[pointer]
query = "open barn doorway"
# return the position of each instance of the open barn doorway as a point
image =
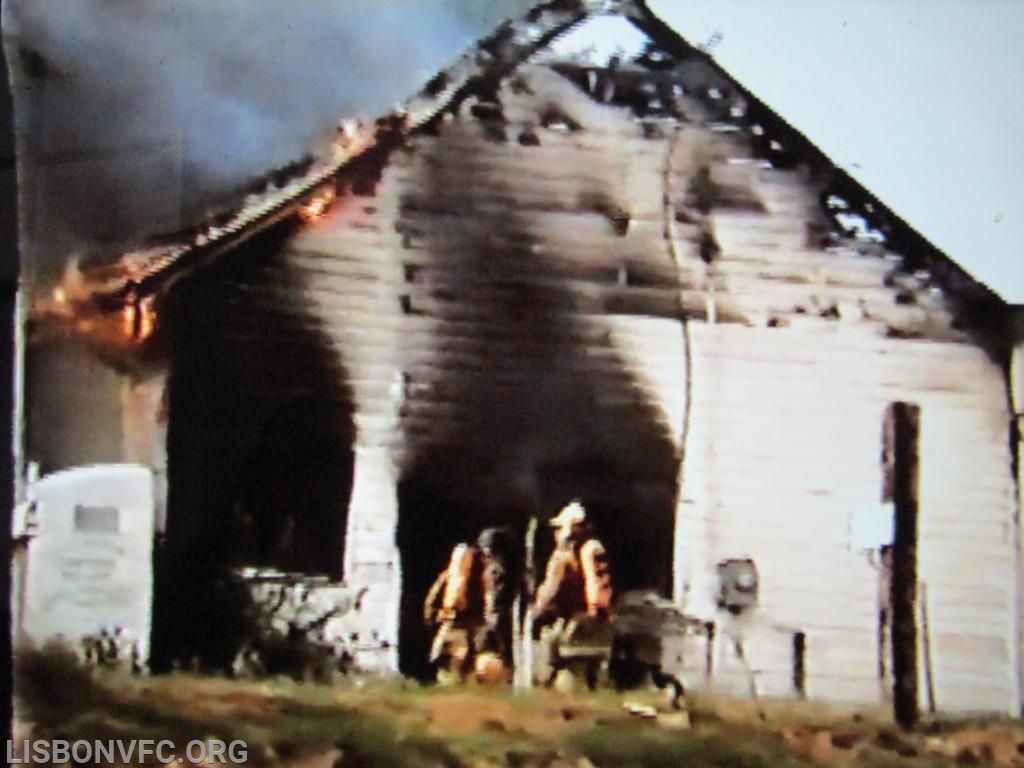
(259, 447)
(433, 518)
(633, 516)
(293, 492)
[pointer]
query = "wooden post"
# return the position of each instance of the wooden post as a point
(904, 420)
(1016, 384)
(10, 367)
(524, 637)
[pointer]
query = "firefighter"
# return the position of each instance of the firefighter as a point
(470, 603)
(574, 600)
(455, 606)
(501, 575)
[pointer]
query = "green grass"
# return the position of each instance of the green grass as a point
(639, 744)
(400, 724)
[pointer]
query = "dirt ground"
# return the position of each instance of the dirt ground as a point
(362, 723)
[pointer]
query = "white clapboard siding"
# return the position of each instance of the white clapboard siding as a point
(785, 441)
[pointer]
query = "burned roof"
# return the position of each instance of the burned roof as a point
(670, 87)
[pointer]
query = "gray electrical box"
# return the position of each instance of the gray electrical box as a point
(738, 584)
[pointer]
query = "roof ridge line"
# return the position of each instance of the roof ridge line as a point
(908, 241)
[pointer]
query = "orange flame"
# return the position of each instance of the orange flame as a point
(138, 319)
(318, 204)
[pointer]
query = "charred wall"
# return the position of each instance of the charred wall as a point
(479, 288)
(259, 445)
(520, 400)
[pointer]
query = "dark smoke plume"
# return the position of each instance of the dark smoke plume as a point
(135, 116)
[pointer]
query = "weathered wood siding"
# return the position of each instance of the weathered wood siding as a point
(785, 446)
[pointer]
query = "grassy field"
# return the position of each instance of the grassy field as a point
(397, 724)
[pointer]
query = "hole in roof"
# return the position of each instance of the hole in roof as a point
(599, 40)
(859, 227)
(757, 130)
(654, 58)
(529, 35)
(714, 93)
(553, 117)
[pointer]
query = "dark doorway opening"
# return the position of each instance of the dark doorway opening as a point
(259, 447)
(633, 517)
(432, 519)
(294, 491)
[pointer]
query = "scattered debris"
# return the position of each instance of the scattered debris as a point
(640, 710)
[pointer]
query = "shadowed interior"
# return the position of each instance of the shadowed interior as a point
(259, 447)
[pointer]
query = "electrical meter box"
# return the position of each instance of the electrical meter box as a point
(738, 584)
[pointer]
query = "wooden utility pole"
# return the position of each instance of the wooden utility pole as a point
(904, 420)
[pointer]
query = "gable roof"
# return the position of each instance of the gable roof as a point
(849, 196)
(844, 201)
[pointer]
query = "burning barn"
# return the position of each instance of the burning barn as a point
(630, 283)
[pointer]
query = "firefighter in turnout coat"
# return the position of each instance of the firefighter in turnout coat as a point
(455, 606)
(575, 597)
(470, 604)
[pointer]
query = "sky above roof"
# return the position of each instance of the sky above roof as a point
(917, 99)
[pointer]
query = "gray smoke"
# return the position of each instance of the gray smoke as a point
(134, 115)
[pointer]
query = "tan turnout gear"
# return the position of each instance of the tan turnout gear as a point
(470, 606)
(455, 605)
(577, 579)
(457, 592)
(574, 601)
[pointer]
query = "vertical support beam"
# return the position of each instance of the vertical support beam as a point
(904, 419)
(10, 355)
(145, 435)
(1016, 391)
(371, 555)
(371, 559)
